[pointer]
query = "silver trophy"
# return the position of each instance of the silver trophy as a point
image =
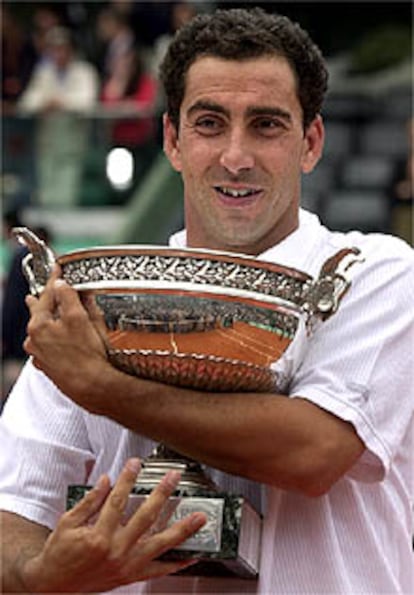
(206, 320)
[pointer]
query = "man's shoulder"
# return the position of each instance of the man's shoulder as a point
(374, 247)
(384, 277)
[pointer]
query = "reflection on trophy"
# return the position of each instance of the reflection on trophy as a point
(206, 320)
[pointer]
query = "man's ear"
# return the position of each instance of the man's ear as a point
(313, 144)
(171, 143)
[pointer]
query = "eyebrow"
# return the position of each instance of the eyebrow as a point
(211, 106)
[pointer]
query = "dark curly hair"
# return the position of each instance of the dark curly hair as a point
(240, 34)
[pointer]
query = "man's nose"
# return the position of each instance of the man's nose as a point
(236, 154)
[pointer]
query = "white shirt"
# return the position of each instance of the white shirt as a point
(76, 87)
(355, 539)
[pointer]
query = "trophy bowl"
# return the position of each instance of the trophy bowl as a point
(189, 317)
(200, 319)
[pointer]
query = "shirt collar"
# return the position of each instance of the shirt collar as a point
(296, 250)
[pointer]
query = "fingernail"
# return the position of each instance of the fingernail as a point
(134, 465)
(60, 283)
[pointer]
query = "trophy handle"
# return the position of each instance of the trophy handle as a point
(38, 264)
(325, 294)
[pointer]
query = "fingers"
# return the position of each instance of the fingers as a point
(44, 306)
(150, 510)
(57, 293)
(42, 313)
(58, 300)
(136, 557)
(112, 512)
(171, 537)
(46, 299)
(90, 504)
(111, 516)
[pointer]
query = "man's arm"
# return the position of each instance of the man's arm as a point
(22, 540)
(288, 443)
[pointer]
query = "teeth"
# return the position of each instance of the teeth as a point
(236, 193)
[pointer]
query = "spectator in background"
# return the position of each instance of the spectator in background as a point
(130, 95)
(45, 18)
(63, 87)
(180, 14)
(118, 40)
(18, 59)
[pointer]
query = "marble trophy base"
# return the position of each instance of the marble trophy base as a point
(229, 543)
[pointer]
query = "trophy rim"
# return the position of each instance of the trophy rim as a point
(185, 252)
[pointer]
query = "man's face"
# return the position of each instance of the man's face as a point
(241, 149)
(61, 55)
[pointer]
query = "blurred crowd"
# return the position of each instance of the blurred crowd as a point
(116, 45)
(65, 63)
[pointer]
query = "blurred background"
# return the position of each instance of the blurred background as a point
(82, 159)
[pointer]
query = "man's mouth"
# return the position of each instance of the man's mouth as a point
(236, 192)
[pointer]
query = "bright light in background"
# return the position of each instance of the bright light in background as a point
(120, 168)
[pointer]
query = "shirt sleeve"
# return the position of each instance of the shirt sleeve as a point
(45, 448)
(359, 364)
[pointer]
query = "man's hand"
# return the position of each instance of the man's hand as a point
(79, 557)
(65, 340)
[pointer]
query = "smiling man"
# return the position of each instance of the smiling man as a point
(331, 459)
(241, 147)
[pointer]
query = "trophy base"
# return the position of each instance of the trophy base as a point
(227, 545)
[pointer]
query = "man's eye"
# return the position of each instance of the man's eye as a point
(268, 125)
(209, 122)
(208, 125)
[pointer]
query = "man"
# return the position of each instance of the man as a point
(332, 459)
(62, 89)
